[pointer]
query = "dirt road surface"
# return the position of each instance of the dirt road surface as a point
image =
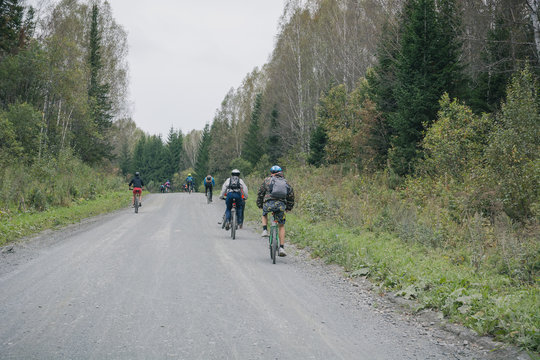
(169, 283)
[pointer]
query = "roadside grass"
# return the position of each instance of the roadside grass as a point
(482, 276)
(15, 225)
(486, 302)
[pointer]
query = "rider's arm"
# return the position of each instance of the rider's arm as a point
(244, 188)
(290, 199)
(260, 195)
(224, 188)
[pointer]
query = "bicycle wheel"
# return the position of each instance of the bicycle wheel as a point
(137, 204)
(270, 245)
(275, 242)
(233, 223)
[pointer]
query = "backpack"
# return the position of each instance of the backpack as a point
(278, 187)
(234, 183)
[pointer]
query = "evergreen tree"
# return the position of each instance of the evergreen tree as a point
(98, 96)
(491, 84)
(125, 158)
(425, 68)
(15, 28)
(252, 150)
(203, 156)
(274, 145)
(317, 144)
(174, 150)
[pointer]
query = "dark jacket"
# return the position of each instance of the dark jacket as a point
(264, 193)
(136, 182)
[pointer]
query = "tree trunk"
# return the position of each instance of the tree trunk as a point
(533, 7)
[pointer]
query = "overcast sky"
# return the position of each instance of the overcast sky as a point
(185, 55)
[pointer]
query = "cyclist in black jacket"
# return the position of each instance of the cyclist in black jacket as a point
(138, 185)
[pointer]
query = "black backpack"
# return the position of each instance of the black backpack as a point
(234, 183)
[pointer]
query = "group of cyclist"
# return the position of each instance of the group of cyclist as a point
(275, 196)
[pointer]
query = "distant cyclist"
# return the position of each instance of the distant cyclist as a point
(234, 188)
(209, 184)
(138, 186)
(275, 196)
(167, 186)
(189, 182)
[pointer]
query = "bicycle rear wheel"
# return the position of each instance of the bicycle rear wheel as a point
(274, 244)
(137, 204)
(233, 223)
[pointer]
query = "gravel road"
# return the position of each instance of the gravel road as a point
(169, 283)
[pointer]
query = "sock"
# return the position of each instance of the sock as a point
(265, 227)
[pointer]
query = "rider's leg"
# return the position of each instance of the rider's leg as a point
(228, 202)
(240, 207)
(281, 228)
(265, 220)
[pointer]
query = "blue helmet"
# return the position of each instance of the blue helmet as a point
(275, 169)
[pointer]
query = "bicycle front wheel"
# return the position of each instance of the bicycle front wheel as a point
(233, 224)
(274, 245)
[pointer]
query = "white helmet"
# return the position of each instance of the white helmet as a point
(235, 172)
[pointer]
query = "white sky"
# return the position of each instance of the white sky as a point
(184, 56)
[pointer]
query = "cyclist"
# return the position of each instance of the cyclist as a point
(138, 185)
(162, 188)
(189, 182)
(167, 186)
(234, 188)
(209, 184)
(275, 196)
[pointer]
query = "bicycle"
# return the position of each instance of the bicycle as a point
(234, 220)
(137, 200)
(273, 239)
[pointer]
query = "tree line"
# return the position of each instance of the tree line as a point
(362, 83)
(381, 85)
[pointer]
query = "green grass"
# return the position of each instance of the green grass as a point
(489, 303)
(15, 225)
(365, 230)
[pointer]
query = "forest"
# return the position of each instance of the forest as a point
(419, 118)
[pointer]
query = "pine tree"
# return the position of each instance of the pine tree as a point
(98, 97)
(15, 30)
(203, 156)
(317, 144)
(491, 84)
(274, 145)
(174, 149)
(252, 150)
(125, 158)
(425, 68)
